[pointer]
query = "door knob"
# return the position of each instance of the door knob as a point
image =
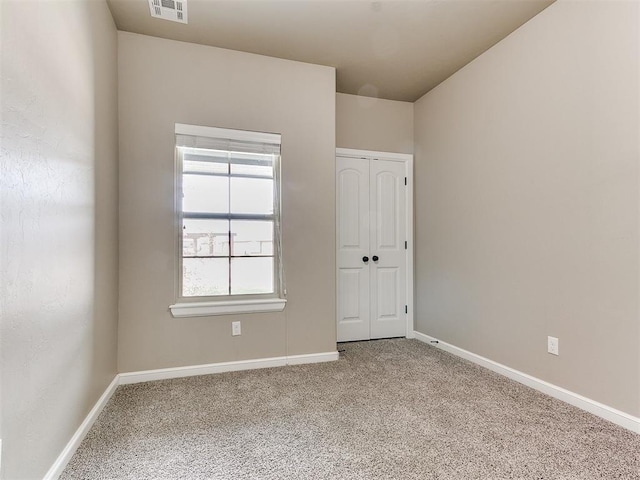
(375, 258)
(365, 259)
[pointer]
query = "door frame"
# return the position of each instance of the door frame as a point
(407, 159)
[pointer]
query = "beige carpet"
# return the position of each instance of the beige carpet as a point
(388, 409)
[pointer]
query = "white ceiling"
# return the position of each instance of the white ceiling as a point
(397, 50)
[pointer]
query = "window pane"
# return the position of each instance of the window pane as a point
(205, 276)
(259, 170)
(251, 275)
(204, 238)
(205, 155)
(251, 195)
(245, 158)
(190, 166)
(252, 237)
(204, 193)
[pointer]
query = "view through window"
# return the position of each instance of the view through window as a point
(229, 217)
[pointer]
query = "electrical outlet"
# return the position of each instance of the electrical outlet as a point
(235, 329)
(553, 345)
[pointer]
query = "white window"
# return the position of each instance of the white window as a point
(228, 219)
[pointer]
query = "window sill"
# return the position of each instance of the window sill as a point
(228, 307)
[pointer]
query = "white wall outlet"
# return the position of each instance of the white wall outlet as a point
(553, 345)
(236, 329)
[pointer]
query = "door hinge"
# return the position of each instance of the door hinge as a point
(406, 309)
(405, 244)
(405, 180)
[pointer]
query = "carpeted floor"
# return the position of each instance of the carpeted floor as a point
(388, 409)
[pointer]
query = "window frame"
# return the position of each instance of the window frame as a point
(189, 306)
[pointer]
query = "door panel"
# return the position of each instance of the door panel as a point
(386, 193)
(350, 285)
(387, 293)
(388, 227)
(353, 283)
(353, 304)
(350, 216)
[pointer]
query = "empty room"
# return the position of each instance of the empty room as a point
(320, 239)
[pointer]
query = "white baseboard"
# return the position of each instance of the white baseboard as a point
(167, 373)
(208, 369)
(599, 409)
(71, 447)
(312, 358)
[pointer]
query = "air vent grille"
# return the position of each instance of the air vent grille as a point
(172, 10)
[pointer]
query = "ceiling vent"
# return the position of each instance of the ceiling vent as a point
(174, 10)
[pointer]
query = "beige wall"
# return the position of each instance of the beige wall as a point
(527, 186)
(163, 82)
(58, 240)
(367, 123)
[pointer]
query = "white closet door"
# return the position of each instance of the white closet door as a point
(352, 187)
(387, 249)
(371, 250)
